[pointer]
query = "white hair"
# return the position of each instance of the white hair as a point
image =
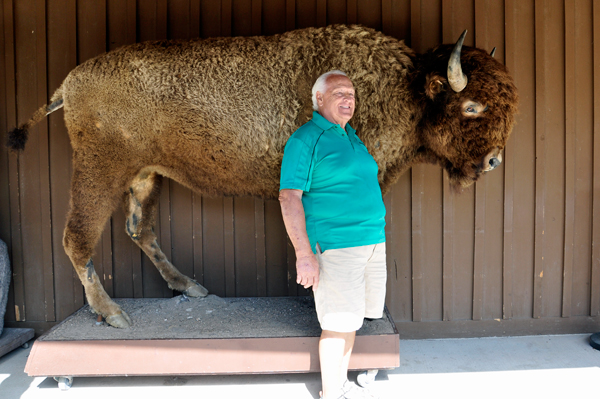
(321, 85)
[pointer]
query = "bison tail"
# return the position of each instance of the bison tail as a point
(19, 135)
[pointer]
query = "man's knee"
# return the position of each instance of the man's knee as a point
(326, 334)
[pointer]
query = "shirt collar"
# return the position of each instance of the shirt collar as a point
(324, 124)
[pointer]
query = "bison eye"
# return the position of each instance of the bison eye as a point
(473, 109)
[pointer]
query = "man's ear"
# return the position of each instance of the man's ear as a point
(319, 96)
(434, 84)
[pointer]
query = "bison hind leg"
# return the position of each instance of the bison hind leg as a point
(92, 202)
(140, 205)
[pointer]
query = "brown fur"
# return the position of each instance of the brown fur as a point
(215, 115)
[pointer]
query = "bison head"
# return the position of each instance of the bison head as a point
(468, 103)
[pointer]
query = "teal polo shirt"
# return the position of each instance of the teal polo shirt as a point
(341, 195)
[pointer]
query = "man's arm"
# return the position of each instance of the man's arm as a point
(307, 266)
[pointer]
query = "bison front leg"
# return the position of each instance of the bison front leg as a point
(92, 202)
(140, 208)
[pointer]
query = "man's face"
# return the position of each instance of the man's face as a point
(337, 103)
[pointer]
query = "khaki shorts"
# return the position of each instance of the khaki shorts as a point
(351, 286)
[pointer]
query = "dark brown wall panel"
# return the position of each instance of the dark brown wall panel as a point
(518, 246)
(581, 111)
(595, 275)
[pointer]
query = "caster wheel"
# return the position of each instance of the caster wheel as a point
(366, 377)
(25, 345)
(64, 383)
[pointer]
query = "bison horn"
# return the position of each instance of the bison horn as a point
(493, 53)
(456, 77)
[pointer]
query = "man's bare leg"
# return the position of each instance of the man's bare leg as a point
(335, 349)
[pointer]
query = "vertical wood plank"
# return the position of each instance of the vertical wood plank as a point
(290, 14)
(417, 187)
(401, 18)
(479, 255)
(321, 12)
(5, 222)
(45, 212)
(4, 128)
(62, 58)
(182, 255)
(16, 242)
(352, 11)
(493, 35)
(508, 258)
(213, 256)
(274, 17)
(457, 16)
(30, 61)
(448, 204)
(337, 12)
(256, 17)
(415, 26)
(540, 152)
(292, 287)
(198, 239)
(153, 285)
(583, 159)
(229, 246)
(210, 13)
(524, 140)
(195, 18)
(386, 17)
(241, 18)
(370, 13)
(152, 20)
(487, 276)
(448, 250)
(398, 249)
(245, 246)
(178, 19)
(595, 272)
(552, 134)
(162, 13)
(570, 45)
(226, 19)
(306, 12)
(261, 259)
(276, 247)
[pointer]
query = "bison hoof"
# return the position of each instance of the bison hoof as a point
(196, 291)
(119, 320)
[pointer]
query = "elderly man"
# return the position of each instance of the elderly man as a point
(334, 214)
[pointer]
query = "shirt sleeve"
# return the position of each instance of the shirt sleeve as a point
(296, 166)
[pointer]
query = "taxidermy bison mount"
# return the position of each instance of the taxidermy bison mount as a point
(215, 114)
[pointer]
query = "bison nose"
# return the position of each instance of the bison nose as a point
(494, 162)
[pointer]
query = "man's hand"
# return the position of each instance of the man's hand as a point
(307, 270)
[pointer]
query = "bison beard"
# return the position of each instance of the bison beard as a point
(215, 115)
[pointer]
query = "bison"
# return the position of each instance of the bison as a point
(215, 114)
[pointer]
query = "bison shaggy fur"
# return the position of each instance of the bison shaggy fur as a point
(215, 115)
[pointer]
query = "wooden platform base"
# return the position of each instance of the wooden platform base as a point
(12, 338)
(294, 351)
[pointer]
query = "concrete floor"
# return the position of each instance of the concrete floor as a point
(516, 367)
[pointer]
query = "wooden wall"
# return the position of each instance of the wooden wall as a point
(516, 254)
